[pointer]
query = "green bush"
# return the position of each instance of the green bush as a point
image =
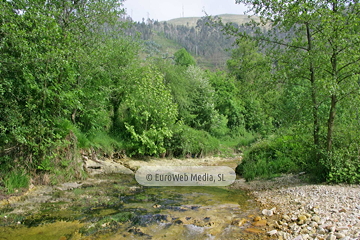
(344, 165)
(271, 157)
(187, 141)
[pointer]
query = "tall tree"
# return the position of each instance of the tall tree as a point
(42, 45)
(314, 44)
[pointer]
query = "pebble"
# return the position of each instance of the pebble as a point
(272, 232)
(257, 218)
(339, 235)
(342, 228)
(314, 211)
(331, 237)
(316, 218)
(321, 231)
(268, 213)
(286, 217)
(260, 223)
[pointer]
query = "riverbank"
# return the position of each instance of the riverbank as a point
(300, 210)
(288, 206)
(308, 211)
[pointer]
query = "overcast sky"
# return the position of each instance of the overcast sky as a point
(164, 10)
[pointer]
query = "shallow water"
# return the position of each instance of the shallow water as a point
(119, 208)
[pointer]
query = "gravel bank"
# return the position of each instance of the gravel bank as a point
(308, 211)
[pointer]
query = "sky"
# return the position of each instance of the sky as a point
(163, 10)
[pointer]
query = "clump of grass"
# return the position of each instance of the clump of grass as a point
(16, 179)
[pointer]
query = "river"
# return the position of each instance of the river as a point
(115, 206)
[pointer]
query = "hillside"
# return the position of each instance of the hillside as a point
(192, 21)
(206, 42)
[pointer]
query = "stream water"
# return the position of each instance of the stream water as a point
(116, 207)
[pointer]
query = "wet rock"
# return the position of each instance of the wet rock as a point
(68, 186)
(194, 229)
(257, 218)
(253, 230)
(260, 223)
(239, 222)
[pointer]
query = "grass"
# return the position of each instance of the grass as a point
(16, 179)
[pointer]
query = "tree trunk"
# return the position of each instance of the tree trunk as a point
(73, 116)
(331, 121)
(316, 125)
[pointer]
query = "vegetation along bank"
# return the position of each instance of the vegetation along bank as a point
(77, 77)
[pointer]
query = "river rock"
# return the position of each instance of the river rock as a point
(268, 213)
(68, 186)
(260, 223)
(342, 228)
(313, 224)
(339, 235)
(321, 231)
(238, 222)
(272, 232)
(257, 218)
(316, 218)
(253, 230)
(286, 217)
(331, 237)
(105, 167)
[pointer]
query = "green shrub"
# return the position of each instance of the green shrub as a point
(343, 165)
(188, 141)
(271, 157)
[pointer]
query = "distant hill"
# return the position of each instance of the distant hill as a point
(206, 42)
(191, 21)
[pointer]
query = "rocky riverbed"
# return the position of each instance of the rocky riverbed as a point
(307, 211)
(288, 207)
(293, 208)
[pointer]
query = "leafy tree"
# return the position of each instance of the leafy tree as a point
(42, 45)
(179, 84)
(183, 58)
(149, 113)
(227, 101)
(314, 44)
(255, 88)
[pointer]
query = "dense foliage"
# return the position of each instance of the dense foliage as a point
(72, 79)
(314, 46)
